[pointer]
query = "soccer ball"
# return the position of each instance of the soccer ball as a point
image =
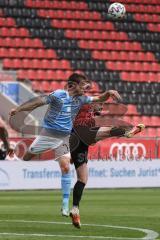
(116, 10)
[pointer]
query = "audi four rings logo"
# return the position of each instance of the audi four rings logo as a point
(127, 150)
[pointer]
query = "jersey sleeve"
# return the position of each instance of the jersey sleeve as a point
(53, 97)
(86, 99)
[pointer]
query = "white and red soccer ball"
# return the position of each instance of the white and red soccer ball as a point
(116, 10)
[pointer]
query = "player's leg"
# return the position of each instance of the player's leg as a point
(46, 142)
(107, 132)
(28, 156)
(79, 154)
(64, 163)
(135, 130)
(63, 156)
(82, 177)
(39, 145)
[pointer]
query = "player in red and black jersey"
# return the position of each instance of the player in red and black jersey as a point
(84, 134)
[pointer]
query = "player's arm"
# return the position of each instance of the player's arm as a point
(97, 108)
(106, 95)
(4, 138)
(29, 105)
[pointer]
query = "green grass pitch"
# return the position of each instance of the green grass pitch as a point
(36, 215)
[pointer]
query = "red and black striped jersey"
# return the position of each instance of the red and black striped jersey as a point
(85, 117)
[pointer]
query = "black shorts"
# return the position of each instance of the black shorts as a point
(80, 140)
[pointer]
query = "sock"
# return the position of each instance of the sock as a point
(66, 189)
(77, 192)
(115, 131)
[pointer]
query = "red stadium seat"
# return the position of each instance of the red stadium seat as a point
(50, 53)
(31, 74)
(132, 110)
(146, 120)
(151, 132)
(152, 77)
(4, 31)
(36, 86)
(45, 64)
(158, 132)
(20, 74)
(36, 63)
(155, 67)
(10, 22)
(154, 121)
(125, 76)
(149, 56)
(122, 55)
(115, 55)
(55, 85)
(3, 52)
(12, 52)
(31, 52)
(7, 63)
(17, 63)
(49, 75)
(136, 120)
(46, 86)
(41, 75)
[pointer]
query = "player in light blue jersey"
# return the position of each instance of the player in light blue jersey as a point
(63, 106)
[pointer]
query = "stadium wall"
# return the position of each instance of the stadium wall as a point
(102, 174)
(131, 167)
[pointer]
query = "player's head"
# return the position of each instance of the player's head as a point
(78, 83)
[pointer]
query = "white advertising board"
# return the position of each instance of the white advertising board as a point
(102, 174)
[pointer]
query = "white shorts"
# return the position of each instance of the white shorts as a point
(49, 141)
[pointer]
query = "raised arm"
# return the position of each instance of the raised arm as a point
(29, 105)
(106, 95)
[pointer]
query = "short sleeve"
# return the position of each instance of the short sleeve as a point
(52, 97)
(86, 99)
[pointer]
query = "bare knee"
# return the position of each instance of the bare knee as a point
(83, 179)
(64, 163)
(65, 168)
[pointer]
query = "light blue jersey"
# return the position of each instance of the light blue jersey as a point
(62, 110)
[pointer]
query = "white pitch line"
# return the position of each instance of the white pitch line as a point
(66, 236)
(150, 234)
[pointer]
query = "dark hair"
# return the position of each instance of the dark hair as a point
(77, 78)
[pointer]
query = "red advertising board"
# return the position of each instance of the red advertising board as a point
(109, 149)
(125, 149)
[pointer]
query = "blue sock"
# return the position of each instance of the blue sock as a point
(66, 188)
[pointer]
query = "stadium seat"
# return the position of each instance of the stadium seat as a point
(3, 52)
(152, 132)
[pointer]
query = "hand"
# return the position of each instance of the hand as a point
(13, 112)
(115, 95)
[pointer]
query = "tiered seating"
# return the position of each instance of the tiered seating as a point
(56, 4)
(56, 37)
